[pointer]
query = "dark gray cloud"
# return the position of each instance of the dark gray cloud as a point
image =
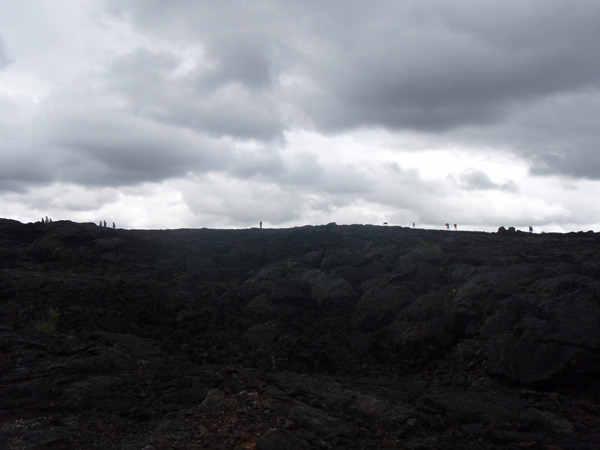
(437, 66)
(80, 139)
(476, 180)
(222, 100)
(429, 66)
(119, 151)
(239, 59)
(434, 67)
(560, 135)
(262, 162)
(556, 135)
(568, 161)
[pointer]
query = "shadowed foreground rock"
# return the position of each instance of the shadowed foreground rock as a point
(313, 337)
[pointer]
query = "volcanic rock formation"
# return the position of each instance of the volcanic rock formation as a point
(312, 337)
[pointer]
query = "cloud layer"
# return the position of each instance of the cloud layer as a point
(302, 111)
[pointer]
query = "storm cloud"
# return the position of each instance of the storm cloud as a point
(433, 67)
(476, 180)
(302, 111)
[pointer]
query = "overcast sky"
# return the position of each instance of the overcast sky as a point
(180, 113)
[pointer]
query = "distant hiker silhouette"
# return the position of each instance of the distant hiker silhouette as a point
(100, 223)
(413, 224)
(114, 226)
(530, 229)
(260, 224)
(455, 227)
(447, 226)
(105, 224)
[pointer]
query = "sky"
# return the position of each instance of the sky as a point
(220, 114)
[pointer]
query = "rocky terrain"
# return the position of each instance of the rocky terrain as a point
(312, 337)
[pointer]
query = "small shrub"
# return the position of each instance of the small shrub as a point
(48, 321)
(545, 293)
(428, 251)
(449, 300)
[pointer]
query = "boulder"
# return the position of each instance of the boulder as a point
(381, 304)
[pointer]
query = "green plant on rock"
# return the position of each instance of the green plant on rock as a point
(428, 251)
(48, 321)
(449, 300)
(546, 293)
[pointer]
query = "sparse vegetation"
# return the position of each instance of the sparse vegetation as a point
(546, 293)
(449, 300)
(427, 250)
(47, 322)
